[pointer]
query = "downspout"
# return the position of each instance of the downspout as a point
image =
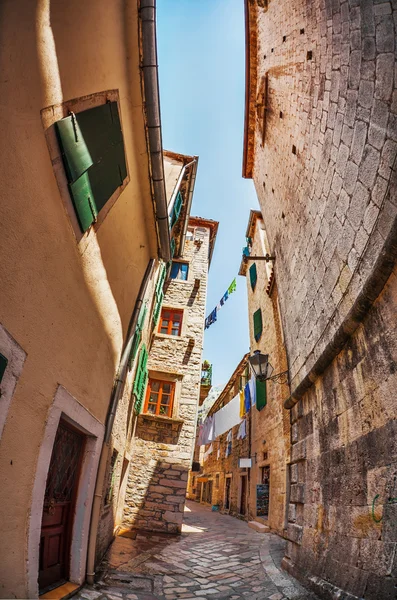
(149, 66)
(116, 395)
(189, 202)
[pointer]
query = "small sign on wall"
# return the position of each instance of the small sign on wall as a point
(245, 463)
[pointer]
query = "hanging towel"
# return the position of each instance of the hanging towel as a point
(227, 417)
(242, 405)
(252, 386)
(247, 397)
(208, 431)
(207, 453)
(232, 287)
(242, 430)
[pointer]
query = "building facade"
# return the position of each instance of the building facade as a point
(84, 222)
(165, 424)
(320, 145)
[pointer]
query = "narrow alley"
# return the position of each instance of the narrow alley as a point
(217, 556)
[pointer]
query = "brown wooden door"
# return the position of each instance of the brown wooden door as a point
(227, 492)
(60, 494)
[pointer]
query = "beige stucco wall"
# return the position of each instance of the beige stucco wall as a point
(67, 309)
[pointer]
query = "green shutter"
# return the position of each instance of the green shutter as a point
(172, 247)
(159, 294)
(257, 324)
(176, 210)
(253, 276)
(93, 154)
(3, 366)
(138, 334)
(141, 378)
(261, 398)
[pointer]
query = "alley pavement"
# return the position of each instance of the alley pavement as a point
(216, 557)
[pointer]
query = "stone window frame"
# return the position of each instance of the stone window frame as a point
(49, 116)
(175, 378)
(190, 277)
(16, 357)
(160, 393)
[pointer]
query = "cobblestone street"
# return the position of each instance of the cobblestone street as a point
(216, 556)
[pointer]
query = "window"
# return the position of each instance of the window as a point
(3, 366)
(190, 234)
(160, 397)
(111, 478)
(92, 148)
(253, 276)
(171, 321)
(257, 317)
(179, 270)
(176, 209)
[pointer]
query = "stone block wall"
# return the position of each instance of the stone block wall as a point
(330, 143)
(343, 499)
(163, 447)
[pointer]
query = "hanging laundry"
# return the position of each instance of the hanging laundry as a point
(242, 405)
(229, 444)
(247, 397)
(207, 453)
(232, 287)
(252, 385)
(208, 431)
(227, 417)
(242, 430)
(212, 317)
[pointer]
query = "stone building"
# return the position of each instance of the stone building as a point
(180, 174)
(220, 482)
(320, 144)
(270, 427)
(164, 437)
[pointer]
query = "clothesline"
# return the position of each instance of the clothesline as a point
(212, 317)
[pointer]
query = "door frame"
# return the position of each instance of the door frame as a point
(65, 406)
(240, 495)
(227, 476)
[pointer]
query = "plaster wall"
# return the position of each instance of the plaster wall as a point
(67, 304)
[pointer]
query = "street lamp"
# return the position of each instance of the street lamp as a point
(263, 369)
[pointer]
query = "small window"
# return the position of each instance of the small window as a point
(179, 270)
(160, 398)
(217, 481)
(111, 478)
(92, 150)
(257, 318)
(171, 322)
(190, 234)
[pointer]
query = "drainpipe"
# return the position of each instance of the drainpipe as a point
(150, 82)
(116, 395)
(189, 202)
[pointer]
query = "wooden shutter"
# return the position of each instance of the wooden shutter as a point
(137, 335)
(176, 210)
(257, 324)
(172, 247)
(253, 276)
(93, 154)
(141, 378)
(261, 395)
(159, 294)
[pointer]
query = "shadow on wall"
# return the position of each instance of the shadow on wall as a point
(156, 492)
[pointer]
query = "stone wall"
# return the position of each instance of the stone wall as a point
(343, 510)
(330, 142)
(163, 447)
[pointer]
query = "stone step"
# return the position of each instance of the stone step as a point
(259, 527)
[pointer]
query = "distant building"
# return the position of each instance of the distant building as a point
(320, 146)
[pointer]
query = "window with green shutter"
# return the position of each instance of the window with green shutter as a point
(253, 276)
(176, 209)
(261, 394)
(159, 294)
(257, 324)
(141, 378)
(138, 334)
(93, 155)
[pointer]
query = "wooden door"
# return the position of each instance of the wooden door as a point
(243, 497)
(227, 492)
(59, 499)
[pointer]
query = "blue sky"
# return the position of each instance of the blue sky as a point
(201, 54)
